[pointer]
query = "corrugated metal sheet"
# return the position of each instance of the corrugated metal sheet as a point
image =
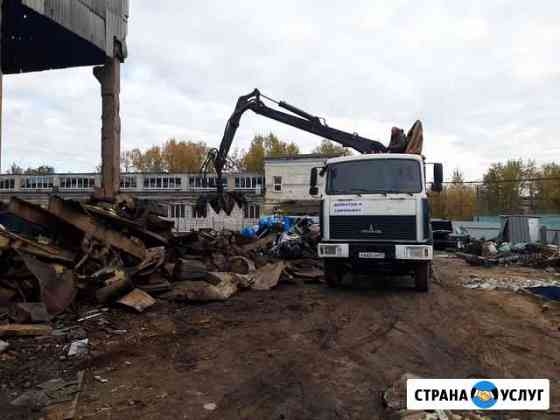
(37, 5)
(97, 21)
(553, 236)
(517, 229)
(478, 230)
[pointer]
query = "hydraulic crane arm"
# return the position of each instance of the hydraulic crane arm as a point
(296, 118)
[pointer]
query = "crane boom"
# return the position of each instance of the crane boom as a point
(295, 117)
(301, 119)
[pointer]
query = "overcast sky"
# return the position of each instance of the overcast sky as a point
(483, 76)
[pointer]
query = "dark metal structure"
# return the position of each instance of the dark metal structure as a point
(296, 118)
(37, 35)
(53, 34)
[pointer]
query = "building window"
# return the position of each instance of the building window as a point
(128, 182)
(77, 183)
(159, 182)
(278, 183)
(8, 184)
(37, 182)
(252, 211)
(177, 211)
(196, 213)
(205, 183)
(247, 182)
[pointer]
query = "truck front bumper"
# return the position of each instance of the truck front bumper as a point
(376, 251)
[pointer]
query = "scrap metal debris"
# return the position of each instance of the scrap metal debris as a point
(57, 396)
(489, 253)
(78, 348)
(267, 277)
(138, 300)
(125, 253)
(30, 312)
(510, 283)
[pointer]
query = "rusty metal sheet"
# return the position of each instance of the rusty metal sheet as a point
(69, 236)
(30, 212)
(58, 288)
(24, 330)
(136, 228)
(138, 300)
(72, 214)
(51, 252)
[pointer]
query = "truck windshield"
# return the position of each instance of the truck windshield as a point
(375, 176)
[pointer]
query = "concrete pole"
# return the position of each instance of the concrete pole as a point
(109, 76)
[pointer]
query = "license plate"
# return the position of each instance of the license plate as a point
(372, 255)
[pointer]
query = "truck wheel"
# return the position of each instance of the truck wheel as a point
(423, 276)
(333, 274)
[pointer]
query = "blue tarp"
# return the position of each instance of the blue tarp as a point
(551, 292)
(267, 222)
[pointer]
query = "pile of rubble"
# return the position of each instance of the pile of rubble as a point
(510, 283)
(489, 253)
(125, 252)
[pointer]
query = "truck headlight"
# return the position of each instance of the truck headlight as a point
(414, 252)
(417, 252)
(333, 250)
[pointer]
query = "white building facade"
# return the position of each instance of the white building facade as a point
(288, 181)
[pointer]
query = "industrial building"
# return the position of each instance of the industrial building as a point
(178, 191)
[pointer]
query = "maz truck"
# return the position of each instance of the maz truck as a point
(375, 216)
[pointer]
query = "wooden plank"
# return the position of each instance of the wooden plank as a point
(92, 227)
(24, 330)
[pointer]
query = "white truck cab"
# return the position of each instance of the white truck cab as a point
(375, 216)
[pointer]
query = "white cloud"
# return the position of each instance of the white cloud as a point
(482, 75)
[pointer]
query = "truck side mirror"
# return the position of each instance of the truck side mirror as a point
(313, 189)
(437, 186)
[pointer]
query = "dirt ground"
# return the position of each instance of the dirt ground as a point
(299, 351)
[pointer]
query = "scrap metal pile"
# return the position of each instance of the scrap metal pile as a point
(490, 253)
(125, 252)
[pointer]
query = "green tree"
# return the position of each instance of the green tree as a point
(266, 146)
(457, 201)
(503, 187)
(460, 198)
(329, 148)
(253, 161)
(548, 188)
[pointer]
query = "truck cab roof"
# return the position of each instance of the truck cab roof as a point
(375, 156)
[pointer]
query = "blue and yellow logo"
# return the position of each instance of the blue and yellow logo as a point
(484, 394)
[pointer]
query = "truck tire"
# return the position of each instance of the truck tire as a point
(423, 276)
(333, 274)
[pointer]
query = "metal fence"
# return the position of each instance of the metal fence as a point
(187, 224)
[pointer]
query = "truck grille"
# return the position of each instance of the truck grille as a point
(373, 227)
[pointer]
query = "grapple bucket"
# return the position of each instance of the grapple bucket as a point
(220, 201)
